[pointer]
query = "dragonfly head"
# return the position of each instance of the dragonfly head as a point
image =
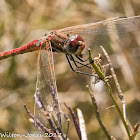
(75, 45)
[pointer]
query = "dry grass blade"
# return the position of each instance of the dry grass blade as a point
(82, 124)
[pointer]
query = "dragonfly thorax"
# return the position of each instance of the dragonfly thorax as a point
(58, 41)
(66, 44)
(75, 45)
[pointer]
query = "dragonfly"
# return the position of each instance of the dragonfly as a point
(73, 42)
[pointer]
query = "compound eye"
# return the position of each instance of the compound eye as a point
(73, 43)
(79, 38)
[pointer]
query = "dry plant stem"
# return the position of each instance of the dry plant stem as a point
(75, 120)
(120, 93)
(98, 115)
(54, 125)
(118, 109)
(109, 90)
(68, 120)
(39, 124)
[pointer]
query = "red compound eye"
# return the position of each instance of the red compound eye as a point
(73, 43)
(79, 38)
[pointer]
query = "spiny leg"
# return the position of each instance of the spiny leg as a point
(78, 71)
(81, 59)
(75, 62)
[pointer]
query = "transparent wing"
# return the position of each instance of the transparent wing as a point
(105, 32)
(46, 96)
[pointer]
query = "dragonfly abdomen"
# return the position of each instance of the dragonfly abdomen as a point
(27, 48)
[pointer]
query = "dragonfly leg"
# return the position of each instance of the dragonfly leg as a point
(78, 71)
(75, 63)
(83, 65)
(81, 59)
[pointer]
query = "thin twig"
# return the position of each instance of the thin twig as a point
(68, 120)
(39, 124)
(109, 91)
(98, 116)
(75, 120)
(120, 93)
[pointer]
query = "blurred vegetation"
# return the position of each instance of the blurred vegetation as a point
(22, 21)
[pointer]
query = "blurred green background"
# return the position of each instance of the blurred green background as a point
(22, 21)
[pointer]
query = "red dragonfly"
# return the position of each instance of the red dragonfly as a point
(73, 42)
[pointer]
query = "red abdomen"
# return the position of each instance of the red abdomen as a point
(27, 48)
